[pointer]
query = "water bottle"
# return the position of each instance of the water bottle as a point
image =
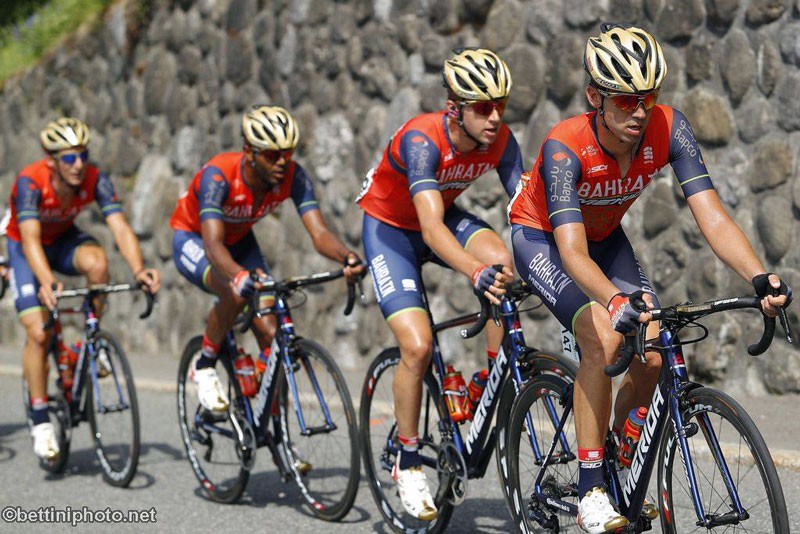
(475, 388)
(629, 437)
(67, 358)
(245, 373)
(455, 391)
(263, 360)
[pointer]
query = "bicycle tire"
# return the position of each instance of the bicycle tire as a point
(515, 455)
(117, 447)
(748, 460)
(61, 418)
(329, 487)
(222, 478)
(376, 419)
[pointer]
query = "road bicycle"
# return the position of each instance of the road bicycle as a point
(715, 471)
(313, 438)
(102, 392)
(449, 460)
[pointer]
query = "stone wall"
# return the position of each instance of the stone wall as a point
(165, 95)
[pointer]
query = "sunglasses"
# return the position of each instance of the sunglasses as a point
(272, 156)
(627, 102)
(485, 107)
(70, 159)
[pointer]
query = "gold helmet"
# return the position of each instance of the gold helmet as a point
(270, 128)
(64, 133)
(477, 74)
(624, 59)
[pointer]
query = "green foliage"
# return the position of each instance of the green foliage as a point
(35, 26)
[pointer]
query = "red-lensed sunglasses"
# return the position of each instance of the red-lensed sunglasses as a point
(273, 156)
(70, 159)
(628, 102)
(485, 107)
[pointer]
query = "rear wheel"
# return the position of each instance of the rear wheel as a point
(113, 411)
(323, 458)
(220, 445)
(713, 417)
(379, 444)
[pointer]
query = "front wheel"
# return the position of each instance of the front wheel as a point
(113, 410)
(319, 435)
(212, 439)
(721, 439)
(379, 444)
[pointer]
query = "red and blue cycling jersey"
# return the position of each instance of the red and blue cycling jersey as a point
(421, 157)
(218, 191)
(33, 197)
(576, 180)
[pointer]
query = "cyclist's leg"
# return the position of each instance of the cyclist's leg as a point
(394, 262)
(248, 255)
(33, 315)
(483, 243)
(78, 253)
(637, 386)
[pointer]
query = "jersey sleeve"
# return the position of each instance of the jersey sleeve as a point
(28, 198)
(303, 192)
(510, 167)
(421, 157)
(106, 196)
(561, 170)
(213, 192)
(685, 157)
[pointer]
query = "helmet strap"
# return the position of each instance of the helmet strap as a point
(460, 122)
(602, 112)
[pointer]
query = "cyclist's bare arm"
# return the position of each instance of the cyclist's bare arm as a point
(729, 243)
(30, 232)
(128, 245)
(327, 243)
(430, 211)
(213, 232)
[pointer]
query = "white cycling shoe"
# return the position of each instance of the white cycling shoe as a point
(209, 390)
(45, 444)
(596, 514)
(103, 364)
(414, 492)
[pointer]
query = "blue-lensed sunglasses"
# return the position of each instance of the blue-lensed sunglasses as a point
(70, 159)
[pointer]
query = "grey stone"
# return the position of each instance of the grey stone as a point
(249, 94)
(765, 11)
(377, 79)
(776, 234)
(721, 13)
(772, 163)
(159, 76)
(432, 94)
(404, 105)
(543, 20)
(178, 31)
(190, 65)
(181, 107)
(787, 91)
(527, 65)
(660, 209)
(754, 118)
(583, 13)
(768, 61)
(796, 186)
(330, 154)
(435, 51)
(117, 26)
(287, 51)
(679, 19)
(564, 79)
(99, 110)
(737, 65)
(628, 11)
(239, 59)
(502, 27)
(409, 28)
(343, 24)
(709, 115)
(543, 119)
(153, 173)
(789, 43)
(185, 150)
(207, 38)
(240, 15)
(445, 16)
(208, 86)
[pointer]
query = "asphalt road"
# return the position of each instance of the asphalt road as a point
(166, 487)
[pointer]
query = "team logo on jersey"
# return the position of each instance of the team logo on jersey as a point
(648, 154)
(419, 140)
(597, 169)
(590, 150)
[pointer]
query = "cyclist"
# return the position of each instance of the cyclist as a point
(410, 216)
(213, 245)
(42, 238)
(569, 245)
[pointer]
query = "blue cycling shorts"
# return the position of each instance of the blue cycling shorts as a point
(190, 258)
(60, 256)
(395, 257)
(538, 262)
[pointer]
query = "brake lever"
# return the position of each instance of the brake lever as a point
(785, 324)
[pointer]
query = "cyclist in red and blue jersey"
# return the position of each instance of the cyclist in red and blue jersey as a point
(42, 238)
(410, 217)
(214, 246)
(569, 245)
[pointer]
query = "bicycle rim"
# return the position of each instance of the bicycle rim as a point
(61, 418)
(537, 405)
(113, 412)
(210, 438)
(324, 459)
(377, 427)
(711, 412)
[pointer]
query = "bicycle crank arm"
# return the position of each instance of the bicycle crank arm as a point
(114, 408)
(314, 430)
